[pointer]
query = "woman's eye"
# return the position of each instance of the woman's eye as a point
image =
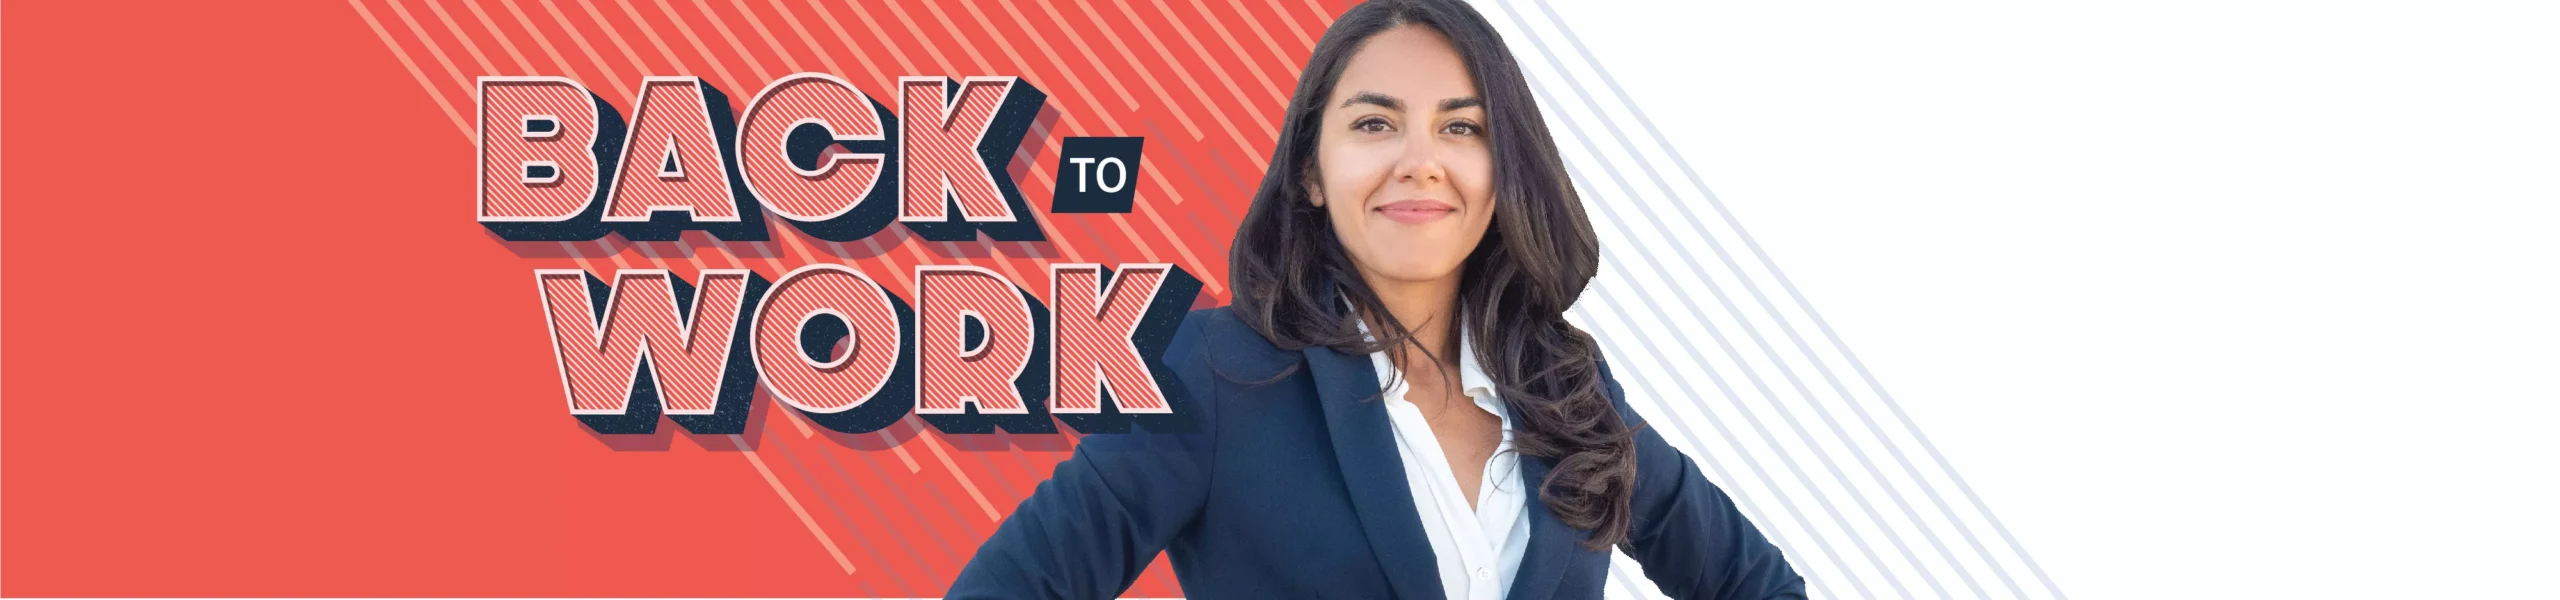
(1464, 128)
(1371, 125)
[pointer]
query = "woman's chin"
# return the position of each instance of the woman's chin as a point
(1412, 272)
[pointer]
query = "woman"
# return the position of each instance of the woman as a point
(1395, 376)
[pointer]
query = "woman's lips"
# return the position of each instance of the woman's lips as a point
(1412, 212)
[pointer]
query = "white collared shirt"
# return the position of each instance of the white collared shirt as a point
(1478, 548)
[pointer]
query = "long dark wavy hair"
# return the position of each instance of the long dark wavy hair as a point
(1534, 260)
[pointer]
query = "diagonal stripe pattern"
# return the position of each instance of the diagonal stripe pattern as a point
(1835, 486)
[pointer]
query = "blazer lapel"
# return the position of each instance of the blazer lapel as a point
(1552, 544)
(1364, 443)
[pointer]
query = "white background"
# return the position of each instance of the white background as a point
(2205, 299)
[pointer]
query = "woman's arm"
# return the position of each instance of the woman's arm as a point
(1686, 532)
(1106, 511)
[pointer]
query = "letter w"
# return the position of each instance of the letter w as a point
(652, 342)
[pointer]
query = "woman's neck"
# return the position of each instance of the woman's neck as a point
(1428, 308)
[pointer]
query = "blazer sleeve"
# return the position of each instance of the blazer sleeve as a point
(1686, 533)
(1108, 510)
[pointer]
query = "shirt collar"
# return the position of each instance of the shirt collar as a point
(1472, 378)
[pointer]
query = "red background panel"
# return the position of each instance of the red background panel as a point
(256, 345)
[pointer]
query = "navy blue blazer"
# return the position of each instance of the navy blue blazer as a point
(1293, 489)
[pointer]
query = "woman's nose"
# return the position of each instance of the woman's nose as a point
(1421, 161)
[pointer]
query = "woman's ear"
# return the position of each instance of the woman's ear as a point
(1315, 188)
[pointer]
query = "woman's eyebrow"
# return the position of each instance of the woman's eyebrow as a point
(1391, 103)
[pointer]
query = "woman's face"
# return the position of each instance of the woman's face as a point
(1402, 165)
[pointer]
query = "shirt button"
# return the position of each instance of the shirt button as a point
(1484, 574)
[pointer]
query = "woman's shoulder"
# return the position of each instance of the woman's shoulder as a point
(1616, 393)
(1217, 343)
(1218, 360)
